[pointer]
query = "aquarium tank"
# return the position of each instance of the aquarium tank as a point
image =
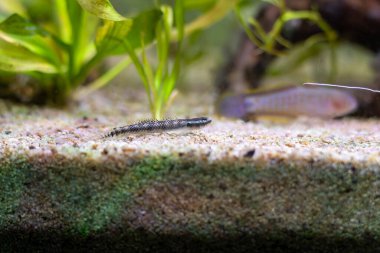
(189, 126)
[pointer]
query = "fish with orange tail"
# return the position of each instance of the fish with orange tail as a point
(291, 102)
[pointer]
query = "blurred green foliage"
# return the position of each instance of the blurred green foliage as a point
(58, 44)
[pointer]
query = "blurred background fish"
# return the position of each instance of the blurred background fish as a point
(290, 102)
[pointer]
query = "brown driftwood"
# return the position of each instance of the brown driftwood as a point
(357, 21)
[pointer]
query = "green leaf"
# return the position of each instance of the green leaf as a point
(102, 9)
(138, 30)
(15, 24)
(110, 35)
(19, 59)
(144, 28)
(80, 36)
(180, 19)
(20, 32)
(163, 43)
(213, 15)
(198, 4)
(14, 6)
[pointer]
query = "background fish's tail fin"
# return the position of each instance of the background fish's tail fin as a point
(232, 106)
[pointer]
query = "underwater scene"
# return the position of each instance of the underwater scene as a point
(190, 126)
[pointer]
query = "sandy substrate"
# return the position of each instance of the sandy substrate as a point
(307, 185)
(348, 142)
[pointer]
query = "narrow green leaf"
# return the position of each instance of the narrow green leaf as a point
(163, 43)
(82, 29)
(147, 68)
(251, 35)
(140, 69)
(102, 9)
(180, 24)
(63, 20)
(213, 15)
(198, 4)
(180, 19)
(104, 79)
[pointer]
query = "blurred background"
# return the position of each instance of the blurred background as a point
(210, 54)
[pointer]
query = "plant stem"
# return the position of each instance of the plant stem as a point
(83, 72)
(105, 78)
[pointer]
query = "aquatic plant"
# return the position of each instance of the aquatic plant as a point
(56, 50)
(53, 54)
(60, 46)
(168, 31)
(159, 83)
(268, 41)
